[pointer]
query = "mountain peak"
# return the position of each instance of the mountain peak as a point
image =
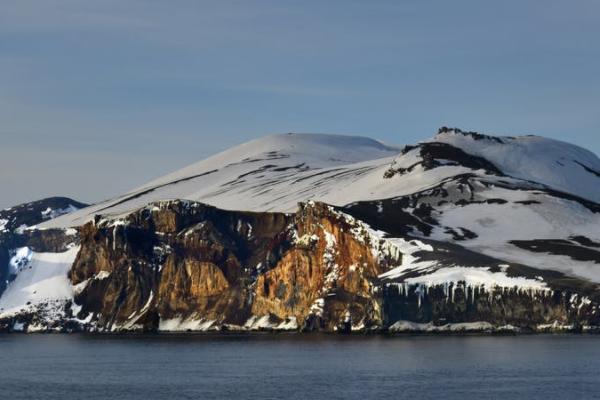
(444, 131)
(559, 165)
(319, 148)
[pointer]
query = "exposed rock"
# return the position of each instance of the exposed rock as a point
(193, 262)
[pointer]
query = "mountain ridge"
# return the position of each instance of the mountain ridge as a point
(261, 173)
(462, 228)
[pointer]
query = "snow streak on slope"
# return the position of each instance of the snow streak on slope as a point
(43, 280)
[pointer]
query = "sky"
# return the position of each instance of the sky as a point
(98, 97)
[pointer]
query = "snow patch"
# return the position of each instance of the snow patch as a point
(264, 322)
(476, 277)
(182, 325)
(3, 223)
(45, 280)
(51, 213)
(20, 260)
(409, 326)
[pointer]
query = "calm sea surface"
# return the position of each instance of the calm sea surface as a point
(298, 367)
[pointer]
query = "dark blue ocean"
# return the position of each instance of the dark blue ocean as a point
(299, 367)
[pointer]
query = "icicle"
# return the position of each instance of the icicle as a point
(114, 238)
(446, 292)
(420, 291)
(468, 292)
(472, 294)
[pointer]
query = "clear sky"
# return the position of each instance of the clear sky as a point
(97, 97)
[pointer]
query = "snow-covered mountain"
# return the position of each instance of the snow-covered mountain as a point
(461, 217)
(277, 172)
(273, 173)
(503, 191)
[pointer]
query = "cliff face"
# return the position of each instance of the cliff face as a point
(182, 264)
(501, 308)
(187, 266)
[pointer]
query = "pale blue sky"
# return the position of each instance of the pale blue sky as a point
(97, 97)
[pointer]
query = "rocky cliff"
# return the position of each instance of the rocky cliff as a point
(184, 265)
(180, 265)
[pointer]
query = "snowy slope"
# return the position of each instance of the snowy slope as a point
(274, 173)
(497, 226)
(503, 218)
(557, 164)
(41, 279)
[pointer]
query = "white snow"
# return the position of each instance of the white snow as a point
(497, 224)
(547, 161)
(475, 277)
(102, 275)
(51, 213)
(21, 229)
(20, 260)
(132, 324)
(3, 223)
(409, 326)
(274, 173)
(409, 260)
(255, 323)
(554, 326)
(182, 324)
(45, 281)
(307, 240)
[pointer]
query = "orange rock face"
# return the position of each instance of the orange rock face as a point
(326, 279)
(313, 270)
